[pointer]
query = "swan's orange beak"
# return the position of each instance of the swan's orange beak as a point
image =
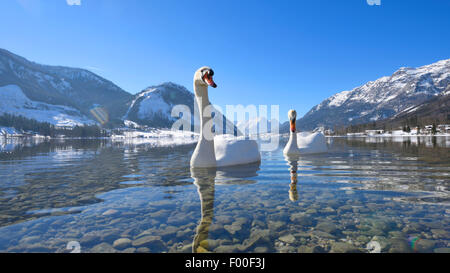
(292, 121)
(209, 80)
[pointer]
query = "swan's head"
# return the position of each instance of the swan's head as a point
(204, 76)
(292, 114)
(292, 117)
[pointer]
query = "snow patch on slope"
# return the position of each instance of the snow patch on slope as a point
(13, 101)
(157, 137)
(153, 104)
(338, 99)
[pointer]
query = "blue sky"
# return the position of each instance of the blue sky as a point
(291, 53)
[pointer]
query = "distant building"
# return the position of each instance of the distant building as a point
(28, 133)
(355, 134)
(443, 128)
(374, 132)
(414, 131)
(428, 129)
(63, 127)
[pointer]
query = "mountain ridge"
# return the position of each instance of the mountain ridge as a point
(82, 96)
(153, 107)
(379, 99)
(76, 96)
(60, 85)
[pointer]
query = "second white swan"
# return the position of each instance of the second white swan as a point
(301, 144)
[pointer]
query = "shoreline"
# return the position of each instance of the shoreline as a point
(354, 136)
(121, 137)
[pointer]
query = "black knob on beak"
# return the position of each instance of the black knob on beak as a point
(211, 72)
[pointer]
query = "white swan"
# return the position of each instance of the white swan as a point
(222, 150)
(300, 144)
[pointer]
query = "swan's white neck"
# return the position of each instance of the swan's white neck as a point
(293, 138)
(201, 95)
(204, 155)
(292, 147)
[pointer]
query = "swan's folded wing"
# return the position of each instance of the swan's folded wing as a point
(231, 151)
(312, 144)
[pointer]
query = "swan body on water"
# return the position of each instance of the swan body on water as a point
(230, 151)
(314, 143)
(303, 143)
(222, 150)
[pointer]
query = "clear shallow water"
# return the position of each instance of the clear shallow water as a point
(137, 198)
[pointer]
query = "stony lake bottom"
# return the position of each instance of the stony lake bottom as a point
(365, 195)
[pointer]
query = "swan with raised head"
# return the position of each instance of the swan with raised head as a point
(306, 143)
(217, 151)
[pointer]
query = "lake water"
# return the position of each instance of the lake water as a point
(365, 195)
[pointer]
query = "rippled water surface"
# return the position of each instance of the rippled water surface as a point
(366, 194)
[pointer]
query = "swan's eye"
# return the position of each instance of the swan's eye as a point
(208, 78)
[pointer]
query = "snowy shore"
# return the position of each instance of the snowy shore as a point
(402, 134)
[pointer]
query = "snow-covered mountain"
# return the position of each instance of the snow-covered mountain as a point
(61, 91)
(153, 106)
(71, 96)
(380, 99)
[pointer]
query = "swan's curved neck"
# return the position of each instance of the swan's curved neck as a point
(293, 138)
(293, 132)
(201, 95)
(204, 154)
(291, 145)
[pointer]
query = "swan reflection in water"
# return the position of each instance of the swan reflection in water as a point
(292, 161)
(206, 180)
